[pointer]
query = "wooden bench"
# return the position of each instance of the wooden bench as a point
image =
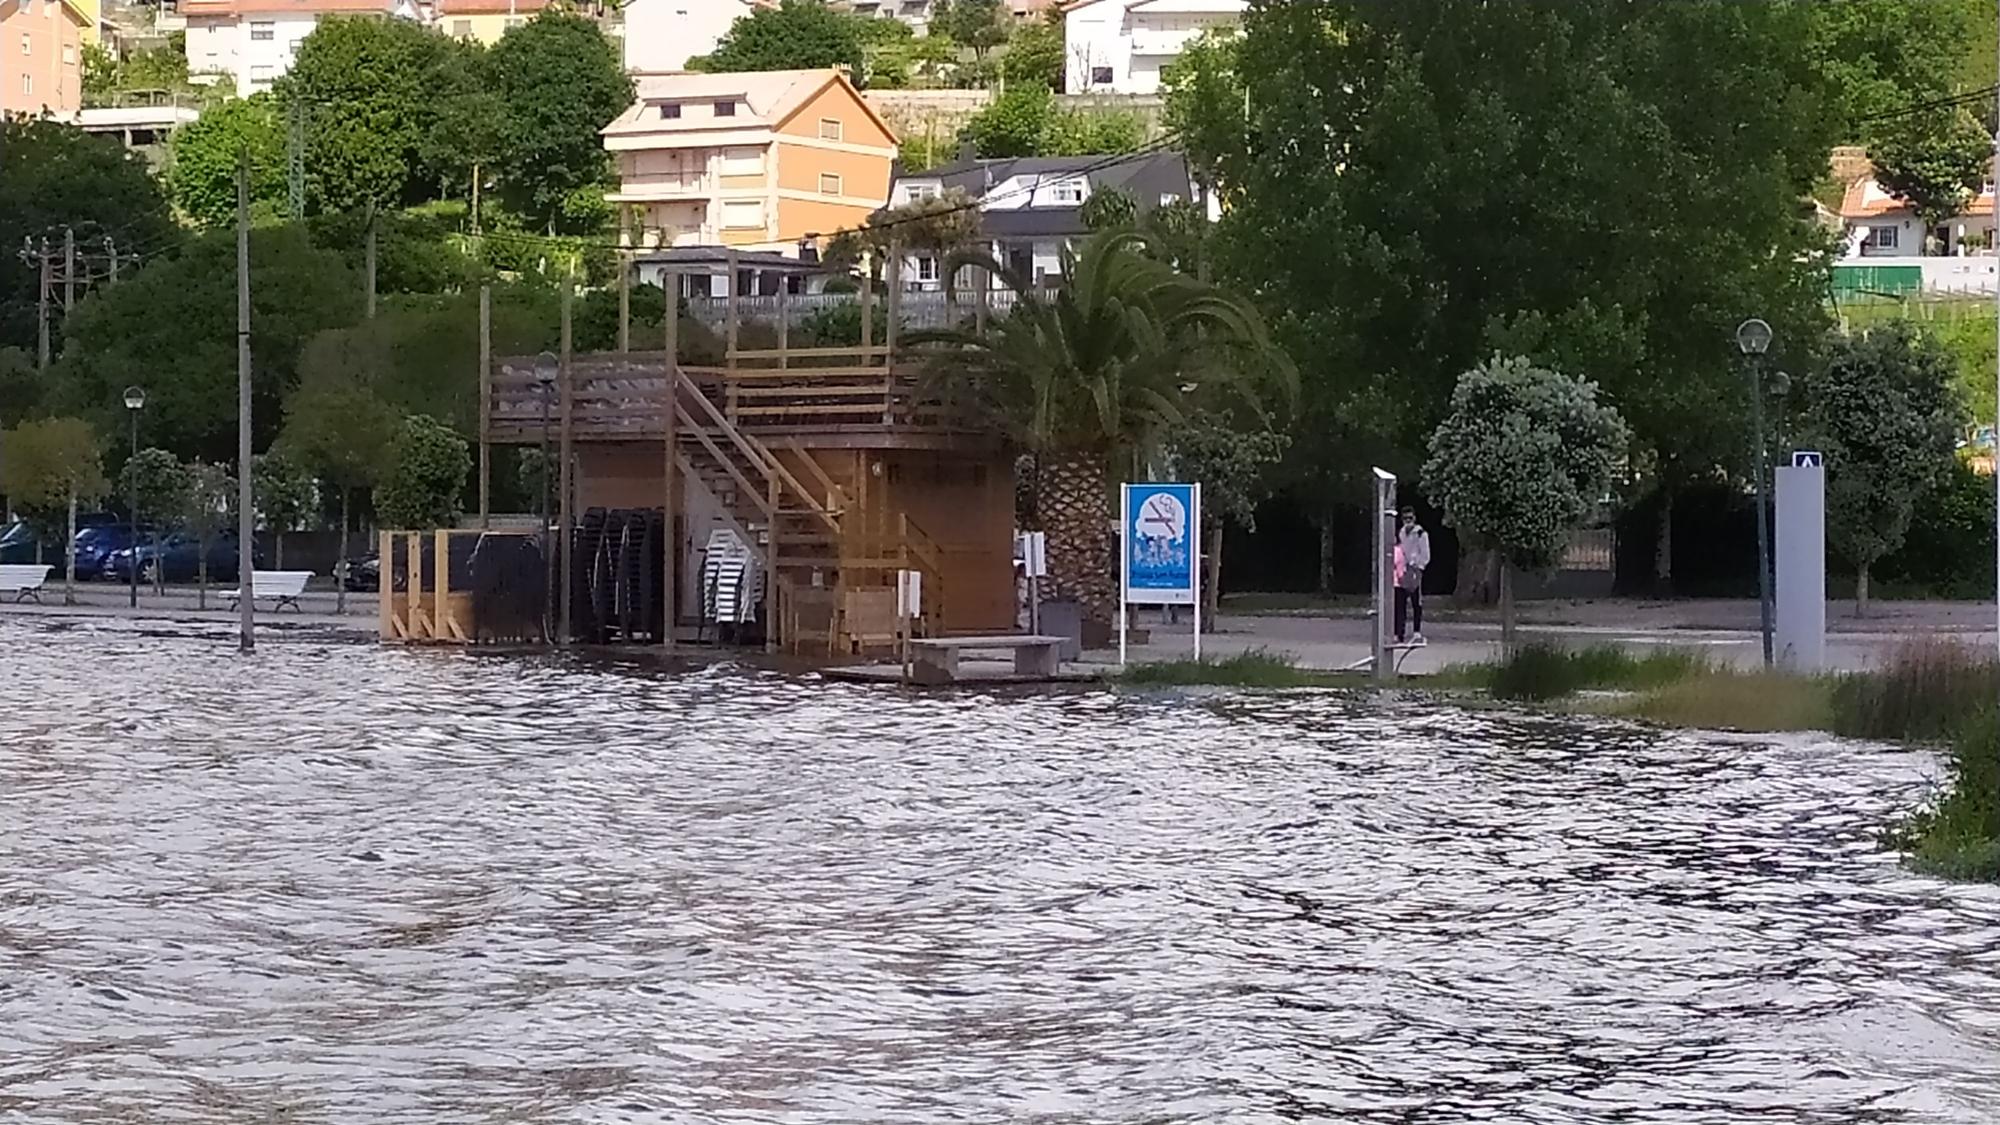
(24, 580)
(934, 660)
(281, 587)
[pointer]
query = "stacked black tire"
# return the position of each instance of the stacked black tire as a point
(618, 586)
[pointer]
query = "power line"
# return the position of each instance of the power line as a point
(1969, 97)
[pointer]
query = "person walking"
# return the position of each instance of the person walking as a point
(1413, 543)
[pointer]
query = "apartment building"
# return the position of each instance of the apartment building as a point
(758, 161)
(41, 57)
(253, 42)
(484, 21)
(1121, 46)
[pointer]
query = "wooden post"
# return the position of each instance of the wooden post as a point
(889, 333)
(867, 309)
(441, 588)
(624, 302)
(486, 407)
(385, 600)
(784, 325)
(730, 334)
(564, 522)
(771, 565)
(671, 586)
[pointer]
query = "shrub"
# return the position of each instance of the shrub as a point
(1958, 837)
(1540, 670)
(1255, 668)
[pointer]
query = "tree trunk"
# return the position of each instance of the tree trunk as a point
(1506, 609)
(1326, 549)
(340, 559)
(1663, 545)
(1211, 590)
(1478, 582)
(200, 572)
(69, 579)
(1076, 513)
(1861, 590)
(159, 569)
(278, 548)
(39, 547)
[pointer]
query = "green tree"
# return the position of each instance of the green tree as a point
(211, 510)
(938, 225)
(979, 25)
(337, 427)
(463, 147)
(1459, 158)
(1028, 121)
(175, 321)
(47, 467)
(366, 86)
(287, 496)
(795, 35)
(55, 176)
(157, 484)
(1109, 208)
(1875, 58)
(1522, 458)
(425, 478)
(20, 386)
(1885, 412)
(1035, 55)
(561, 82)
(201, 176)
(1235, 461)
(1093, 379)
(1936, 161)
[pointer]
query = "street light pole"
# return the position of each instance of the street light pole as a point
(135, 401)
(1753, 338)
(545, 381)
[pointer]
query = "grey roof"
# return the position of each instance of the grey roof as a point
(718, 257)
(1144, 176)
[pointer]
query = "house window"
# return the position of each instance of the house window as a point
(1881, 238)
(263, 31)
(1100, 76)
(462, 28)
(743, 161)
(27, 45)
(927, 269)
(516, 21)
(260, 76)
(1068, 194)
(916, 192)
(69, 55)
(670, 111)
(742, 214)
(829, 183)
(27, 83)
(725, 109)
(829, 129)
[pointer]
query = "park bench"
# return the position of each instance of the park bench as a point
(934, 660)
(24, 580)
(281, 587)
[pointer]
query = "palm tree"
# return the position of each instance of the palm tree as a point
(1091, 379)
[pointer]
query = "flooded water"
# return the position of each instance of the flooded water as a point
(338, 883)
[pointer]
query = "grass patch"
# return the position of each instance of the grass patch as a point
(1925, 693)
(1758, 702)
(1958, 836)
(1256, 668)
(1542, 671)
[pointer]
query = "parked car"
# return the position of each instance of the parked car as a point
(95, 545)
(178, 557)
(19, 542)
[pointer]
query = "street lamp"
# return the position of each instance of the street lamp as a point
(135, 401)
(1753, 339)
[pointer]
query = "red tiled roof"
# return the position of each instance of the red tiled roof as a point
(490, 7)
(1866, 199)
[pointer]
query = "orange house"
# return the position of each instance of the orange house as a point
(41, 64)
(754, 161)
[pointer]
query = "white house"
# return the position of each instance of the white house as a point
(1031, 208)
(1120, 46)
(1882, 225)
(662, 35)
(255, 41)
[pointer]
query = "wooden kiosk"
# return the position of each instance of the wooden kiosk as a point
(834, 465)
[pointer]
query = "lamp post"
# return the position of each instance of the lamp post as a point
(135, 401)
(1753, 339)
(547, 365)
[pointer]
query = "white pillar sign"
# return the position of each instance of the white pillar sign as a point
(1800, 641)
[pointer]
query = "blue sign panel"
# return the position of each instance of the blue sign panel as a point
(1162, 540)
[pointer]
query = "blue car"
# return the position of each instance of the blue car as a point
(20, 542)
(94, 547)
(177, 557)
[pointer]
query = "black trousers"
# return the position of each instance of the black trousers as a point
(1410, 607)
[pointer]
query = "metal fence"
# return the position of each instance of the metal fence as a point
(922, 309)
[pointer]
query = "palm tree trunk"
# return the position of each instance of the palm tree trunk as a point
(1075, 510)
(1211, 589)
(1663, 546)
(1506, 608)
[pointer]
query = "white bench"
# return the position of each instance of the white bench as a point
(934, 660)
(281, 587)
(24, 580)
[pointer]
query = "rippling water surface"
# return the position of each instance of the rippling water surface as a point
(338, 883)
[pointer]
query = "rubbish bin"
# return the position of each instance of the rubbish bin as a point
(1063, 617)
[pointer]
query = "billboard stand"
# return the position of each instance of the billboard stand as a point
(1159, 539)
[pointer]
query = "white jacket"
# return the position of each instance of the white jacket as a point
(1416, 544)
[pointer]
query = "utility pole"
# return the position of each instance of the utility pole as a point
(245, 544)
(565, 520)
(42, 315)
(69, 269)
(111, 254)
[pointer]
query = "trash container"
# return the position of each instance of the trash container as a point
(1063, 617)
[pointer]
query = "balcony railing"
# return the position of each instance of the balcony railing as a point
(665, 185)
(915, 309)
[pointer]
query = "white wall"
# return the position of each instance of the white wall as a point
(230, 45)
(1094, 38)
(1135, 45)
(662, 35)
